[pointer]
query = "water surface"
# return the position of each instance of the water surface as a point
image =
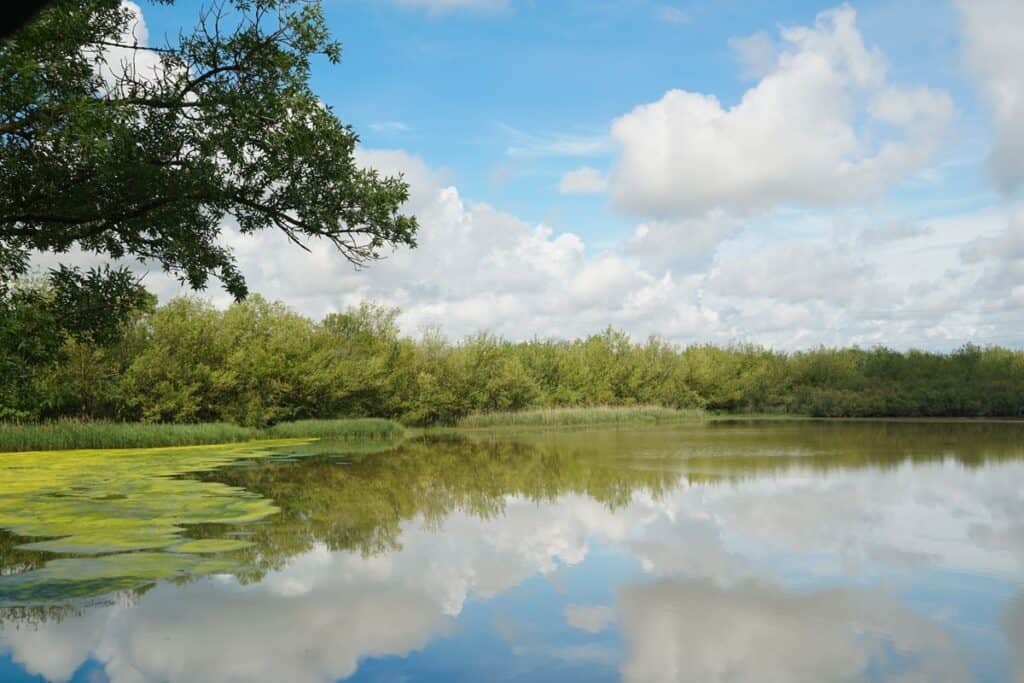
(723, 551)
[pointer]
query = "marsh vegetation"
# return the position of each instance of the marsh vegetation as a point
(72, 434)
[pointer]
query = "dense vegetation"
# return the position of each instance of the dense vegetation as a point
(258, 363)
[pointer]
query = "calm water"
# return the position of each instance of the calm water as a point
(770, 551)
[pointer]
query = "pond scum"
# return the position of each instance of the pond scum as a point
(115, 518)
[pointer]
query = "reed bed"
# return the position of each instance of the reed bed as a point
(561, 417)
(72, 435)
(67, 435)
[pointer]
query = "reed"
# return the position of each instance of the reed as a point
(67, 435)
(73, 435)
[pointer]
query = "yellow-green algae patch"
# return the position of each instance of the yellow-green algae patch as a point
(109, 505)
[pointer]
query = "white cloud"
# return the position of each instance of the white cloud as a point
(756, 53)
(893, 232)
(795, 137)
(475, 268)
(584, 180)
(114, 63)
(712, 277)
(590, 618)
(801, 271)
(993, 48)
(683, 245)
(1000, 259)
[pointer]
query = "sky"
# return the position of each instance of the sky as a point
(788, 173)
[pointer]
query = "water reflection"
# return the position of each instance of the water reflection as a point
(767, 551)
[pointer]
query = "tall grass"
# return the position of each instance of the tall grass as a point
(66, 435)
(579, 416)
(70, 435)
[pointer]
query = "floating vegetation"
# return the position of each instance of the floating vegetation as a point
(116, 517)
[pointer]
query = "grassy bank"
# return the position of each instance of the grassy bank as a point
(565, 417)
(70, 435)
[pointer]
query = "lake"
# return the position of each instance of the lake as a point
(785, 551)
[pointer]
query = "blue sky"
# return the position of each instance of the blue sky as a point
(786, 173)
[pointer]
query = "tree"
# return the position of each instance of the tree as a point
(121, 148)
(41, 319)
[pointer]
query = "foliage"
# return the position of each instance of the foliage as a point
(63, 341)
(257, 363)
(121, 148)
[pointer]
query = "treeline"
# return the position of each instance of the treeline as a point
(259, 363)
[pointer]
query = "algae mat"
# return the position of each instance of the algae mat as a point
(116, 519)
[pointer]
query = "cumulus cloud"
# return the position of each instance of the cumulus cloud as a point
(114, 63)
(1000, 283)
(681, 245)
(584, 180)
(476, 268)
(712, 277)
(822, 126)
(993, 48)
(757, 54)
(801, 271)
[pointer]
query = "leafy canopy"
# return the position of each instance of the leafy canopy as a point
(121, 148)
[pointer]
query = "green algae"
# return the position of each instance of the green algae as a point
(116, 518)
